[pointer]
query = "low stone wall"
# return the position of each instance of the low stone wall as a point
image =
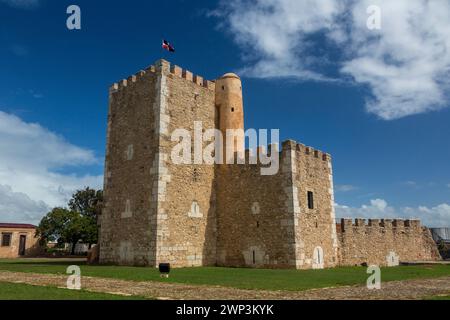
(384, 242)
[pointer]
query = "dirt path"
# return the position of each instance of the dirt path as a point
(410, 289)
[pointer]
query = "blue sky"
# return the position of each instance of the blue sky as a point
(378, 102)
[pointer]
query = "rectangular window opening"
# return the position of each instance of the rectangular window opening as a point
(6, 239)
(310, 200)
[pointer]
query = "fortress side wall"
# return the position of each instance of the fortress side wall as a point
(255, 227)
(264, 221)
(127, 223)
(385, 242)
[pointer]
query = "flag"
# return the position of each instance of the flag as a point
(167, 46)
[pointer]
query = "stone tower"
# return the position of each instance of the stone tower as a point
(157, 211)
(194, 214)
(230, 110)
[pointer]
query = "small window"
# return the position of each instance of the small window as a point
(223, 87)
(6, 239)
(257, 224)
(310, 200)
(232, 109)
(195, 175)
(254, 257)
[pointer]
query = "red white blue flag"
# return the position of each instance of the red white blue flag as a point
(167, 46)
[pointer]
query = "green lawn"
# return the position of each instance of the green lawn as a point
(439, 298)
(234, 277)
(16, 291)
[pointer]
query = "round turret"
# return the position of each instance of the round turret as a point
(229, 105)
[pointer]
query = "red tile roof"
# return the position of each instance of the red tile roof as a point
(17, 226)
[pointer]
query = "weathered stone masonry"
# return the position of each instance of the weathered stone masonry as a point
(227, 215)
(282, 232)
(385, 242)
(142, 186)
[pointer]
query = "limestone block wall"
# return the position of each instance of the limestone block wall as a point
(255, 227)
(385, 242)
(128, 221)
(155, 210)
(264, 221)
(316, 239)
(186, 220)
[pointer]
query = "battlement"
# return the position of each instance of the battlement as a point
(286, 147)
(124, 83)
(289, 145)
(348, 224)
(188, 75)
(173, 70)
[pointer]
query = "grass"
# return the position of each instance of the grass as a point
(260, 279)
(447, 297)
(16, 291)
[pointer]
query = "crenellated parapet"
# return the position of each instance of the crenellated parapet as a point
(189, 76)
(173, 70)
(131, 80)
(286, 148)
(385, 242)
(289, 145)
(359, 224)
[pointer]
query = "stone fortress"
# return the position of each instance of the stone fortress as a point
(227, 214)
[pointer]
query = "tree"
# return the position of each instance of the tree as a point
(63, 226)
(79, 222)
(87, 202)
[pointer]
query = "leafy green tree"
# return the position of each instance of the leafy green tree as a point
(79, 222)
(63, 226)
(87, 202)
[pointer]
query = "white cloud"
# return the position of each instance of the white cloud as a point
(345, 188)
(22, 4)
(274, 34)
(18, 207)
(438, 216)
(405, 64)
(30, 158)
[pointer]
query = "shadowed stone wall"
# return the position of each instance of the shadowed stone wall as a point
(128, 221)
